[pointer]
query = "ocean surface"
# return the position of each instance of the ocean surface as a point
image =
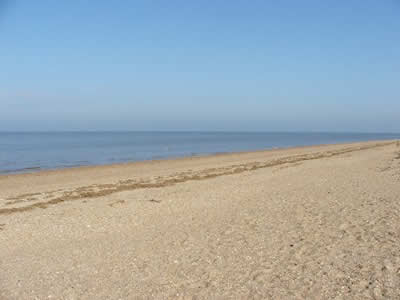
(28, 152)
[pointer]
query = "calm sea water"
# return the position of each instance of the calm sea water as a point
(26, 152)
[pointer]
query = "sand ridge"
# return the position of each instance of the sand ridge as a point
(25, 202)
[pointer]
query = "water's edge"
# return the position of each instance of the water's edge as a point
(36, 169)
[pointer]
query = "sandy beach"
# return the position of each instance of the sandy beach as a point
(319, 222)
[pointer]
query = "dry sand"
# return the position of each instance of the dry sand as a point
(304, 223)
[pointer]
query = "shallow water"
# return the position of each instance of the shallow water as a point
(33, 151)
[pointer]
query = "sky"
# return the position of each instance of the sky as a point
(257, 65)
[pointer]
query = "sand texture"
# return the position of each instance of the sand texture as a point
(317, 222)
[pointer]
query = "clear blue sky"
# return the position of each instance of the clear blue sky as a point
(200, 65)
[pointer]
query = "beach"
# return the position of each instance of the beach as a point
(318, 222)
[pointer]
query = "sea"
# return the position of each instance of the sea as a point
(35, 151)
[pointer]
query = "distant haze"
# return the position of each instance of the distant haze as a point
(200, 65)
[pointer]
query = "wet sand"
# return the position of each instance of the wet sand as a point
(318, 222)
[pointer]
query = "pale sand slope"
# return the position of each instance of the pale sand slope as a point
(306, 223)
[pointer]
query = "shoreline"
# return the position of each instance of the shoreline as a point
(54, 186)
(39, 170)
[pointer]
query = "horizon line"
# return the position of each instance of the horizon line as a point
(196, 131)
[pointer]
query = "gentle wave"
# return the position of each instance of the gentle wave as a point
(22, 170)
